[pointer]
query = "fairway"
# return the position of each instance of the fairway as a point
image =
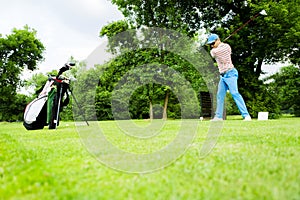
(251, 160)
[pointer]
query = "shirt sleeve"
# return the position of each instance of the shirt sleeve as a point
(228, 48)
(212, 53)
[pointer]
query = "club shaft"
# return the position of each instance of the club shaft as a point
(242, 26)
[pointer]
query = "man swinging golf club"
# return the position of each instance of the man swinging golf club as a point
(228, 77)
(228, 74)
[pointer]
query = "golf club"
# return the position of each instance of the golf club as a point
(263, 13)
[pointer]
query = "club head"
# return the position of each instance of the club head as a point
(263, 12)
(71, 64)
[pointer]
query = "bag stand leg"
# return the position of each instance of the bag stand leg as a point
(78, 106)
(58, 107)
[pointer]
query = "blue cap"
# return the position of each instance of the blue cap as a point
(213, 37)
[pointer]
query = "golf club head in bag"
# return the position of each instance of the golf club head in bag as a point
(66, 67)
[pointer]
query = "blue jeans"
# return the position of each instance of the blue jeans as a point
(229, 82)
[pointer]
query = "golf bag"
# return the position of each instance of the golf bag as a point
(45, 109)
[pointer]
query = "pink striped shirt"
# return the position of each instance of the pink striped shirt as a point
(222, 54)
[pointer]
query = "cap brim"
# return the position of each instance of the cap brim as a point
(211, 41)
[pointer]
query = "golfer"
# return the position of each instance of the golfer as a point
(228, 78)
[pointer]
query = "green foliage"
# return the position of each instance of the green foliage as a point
(15, 109)
(144, 49)
(133, 68)
(176, 15)
(37, 82)
(286, 84)
(264, 101)
(84, 89)
(114, 28)
(19, 50)
(267, 39)
(66, 114)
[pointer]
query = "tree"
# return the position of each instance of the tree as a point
(179, 15)
(18, 51)
(265, 40)
(36, 83)
(148, 99)
(15, 110)
(286, 84)
(268, 39)
(143, 55)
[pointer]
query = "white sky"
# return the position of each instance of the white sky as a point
(65, 27)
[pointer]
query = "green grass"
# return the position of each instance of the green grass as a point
(252, 160)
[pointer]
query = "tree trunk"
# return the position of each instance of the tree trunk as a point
(165, 116)
(258, 67)
(151, 110)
